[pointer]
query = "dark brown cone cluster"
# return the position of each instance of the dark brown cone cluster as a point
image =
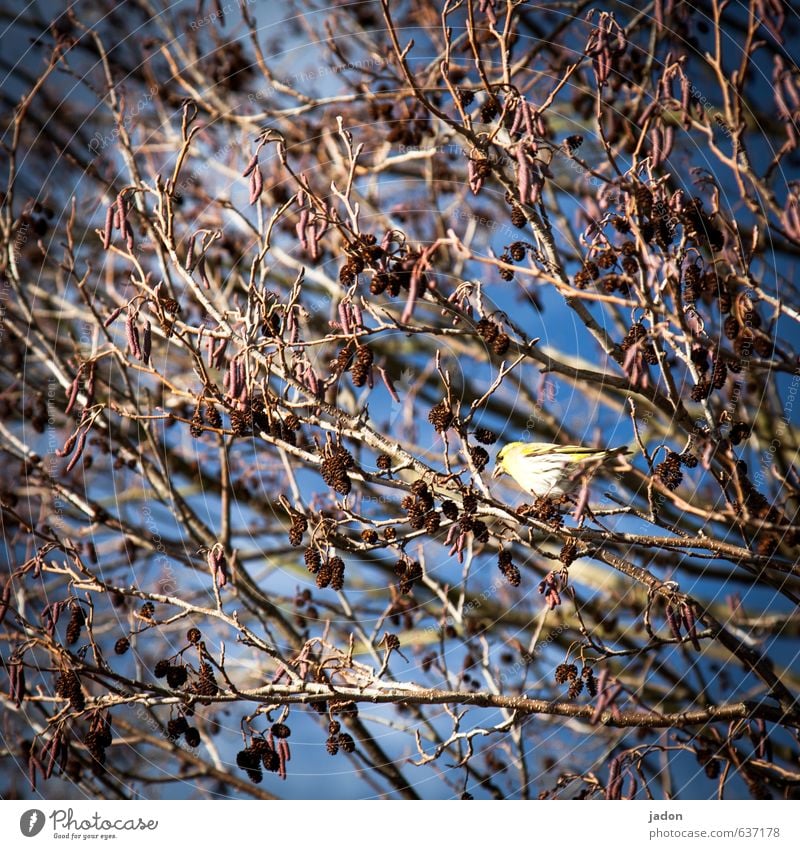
(169, 305)
(241, 422)
(266, 421)
(701, 390)
(362, 365)
(607, 259)
(493, 336)
(68, 686)
(467, 520)
(384, 281)
(518, 251)
(161, 668)
(565, 671)
(369, 535)
(122, 645)
(324, 575)
(418, 505)
(344, 360)
(337, 573)
(575, 689)
(383, 462)
(98, 738)
(441, 416)
(637, 334)
(213, 417)
(266, 751)
(615, 283)
(449, 509)
(196, 427)
(469, 524)
(489, 111)
(76, 621)
(298, 528)
(408, 572)
(545, 510)
(643, 199)
(177, 727)
(518, 217)
(192, 737)
(206, 684)
(337, 460)
(479, 457)
(313, 559)
(568, 673)
(740, 431)
(348, 272)
(510, 571)
(465, 96)
(176, 675)
(250, 761)
(341, 741)
(260, 753)
(394, 275)
(581, 279)
(699, 227)
(506, 274)
(485, 436)
(194, 636)
(669, 471)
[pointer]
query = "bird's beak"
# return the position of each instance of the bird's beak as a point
(498, 470)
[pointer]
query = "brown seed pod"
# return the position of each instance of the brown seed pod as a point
(479, 457)
(518, 217)
(487, 330)
(449, 509)
(487, 437)
(313, 559)
(669, 471)
(441, 416)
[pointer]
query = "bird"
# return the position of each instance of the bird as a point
(549, 470)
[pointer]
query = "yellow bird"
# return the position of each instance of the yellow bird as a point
(546, 469)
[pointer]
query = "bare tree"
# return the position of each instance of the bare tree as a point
(270, 290)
